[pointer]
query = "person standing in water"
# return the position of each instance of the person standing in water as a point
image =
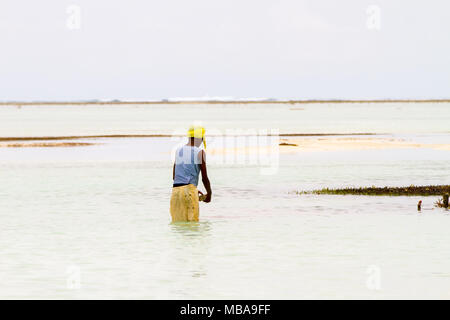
(190, 160)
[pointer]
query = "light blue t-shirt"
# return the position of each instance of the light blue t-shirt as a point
(187, 165)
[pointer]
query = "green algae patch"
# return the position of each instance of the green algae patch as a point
(438, 190)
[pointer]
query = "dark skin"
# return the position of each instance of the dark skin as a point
(202, 159)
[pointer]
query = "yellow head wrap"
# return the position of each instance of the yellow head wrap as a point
(197, 132)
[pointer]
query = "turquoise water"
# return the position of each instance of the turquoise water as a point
(93, 222)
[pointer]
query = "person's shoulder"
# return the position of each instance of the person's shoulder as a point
(201, 154)
(198, 149)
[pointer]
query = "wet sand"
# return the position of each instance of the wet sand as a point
(293, 143)
(308, 144)
(350, 143)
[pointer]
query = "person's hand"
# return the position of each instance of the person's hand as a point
(201, 196)
(208, 198)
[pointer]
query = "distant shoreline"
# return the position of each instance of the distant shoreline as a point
(115, 102)
(118, 136)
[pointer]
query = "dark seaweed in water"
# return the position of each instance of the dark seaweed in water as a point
(385, 191)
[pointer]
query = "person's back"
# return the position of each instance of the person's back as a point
(187, 166)
(190, 160)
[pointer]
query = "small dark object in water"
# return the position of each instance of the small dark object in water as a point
(442, 203)
(419, 205)
(288, 144)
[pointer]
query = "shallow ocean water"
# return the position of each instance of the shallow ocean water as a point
(66, 120)
(93, 222)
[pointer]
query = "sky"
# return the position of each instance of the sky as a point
(57, 50)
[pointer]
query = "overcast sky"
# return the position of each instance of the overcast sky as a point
(148, 49)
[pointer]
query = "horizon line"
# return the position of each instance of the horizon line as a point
(217, 101)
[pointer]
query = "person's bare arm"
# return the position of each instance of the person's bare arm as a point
(173, 172)
(205, 178)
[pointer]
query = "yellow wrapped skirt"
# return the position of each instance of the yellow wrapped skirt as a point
(184, 203)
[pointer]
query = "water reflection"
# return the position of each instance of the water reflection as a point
(190, 244)
(191, 230)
